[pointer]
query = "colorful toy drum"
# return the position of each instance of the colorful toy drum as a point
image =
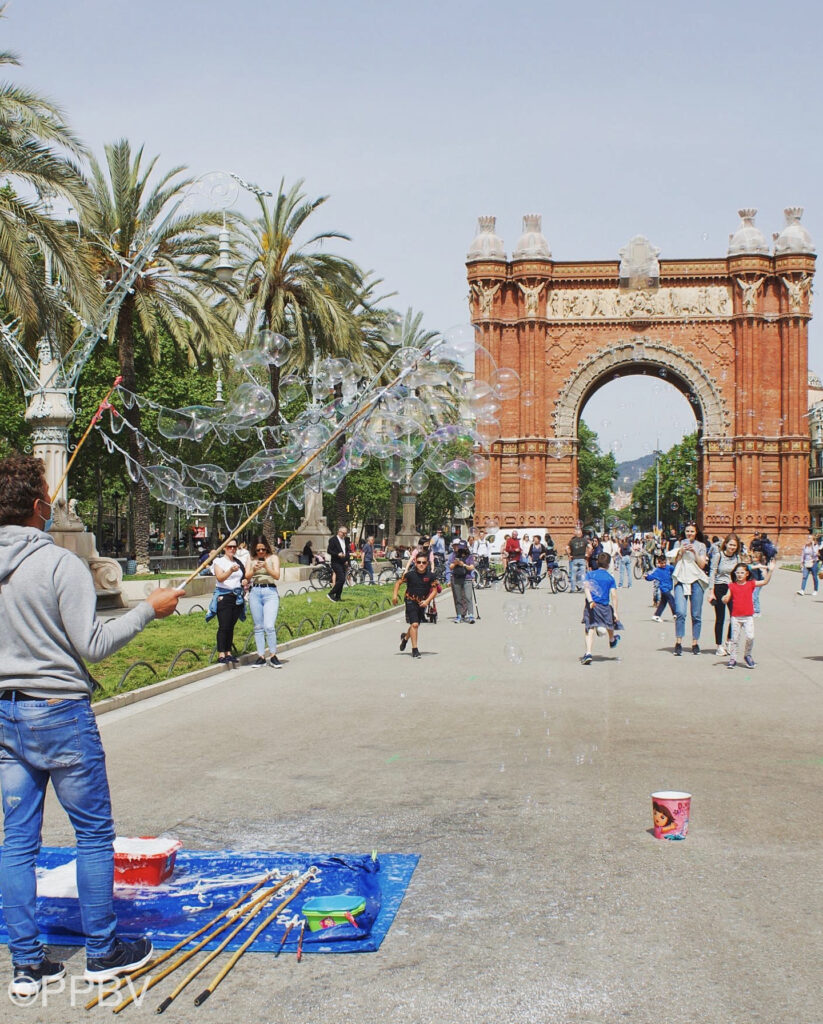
(670, 814)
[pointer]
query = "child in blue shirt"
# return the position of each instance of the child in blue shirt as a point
(662, 577)
(600, 610)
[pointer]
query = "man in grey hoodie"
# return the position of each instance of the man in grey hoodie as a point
(48, 730)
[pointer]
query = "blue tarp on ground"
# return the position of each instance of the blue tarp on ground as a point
(206, 882)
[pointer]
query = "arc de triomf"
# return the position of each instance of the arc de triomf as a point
(731, 334)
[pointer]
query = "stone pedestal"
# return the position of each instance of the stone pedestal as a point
(50, 415)
(313, 527)
(408, 534)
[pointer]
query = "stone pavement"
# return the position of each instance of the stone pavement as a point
(540, 895)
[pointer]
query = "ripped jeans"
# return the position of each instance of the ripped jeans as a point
(39, 742)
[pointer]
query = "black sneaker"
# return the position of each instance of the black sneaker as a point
(678, 650)
(403, 641)
(416, 653)
(124, 958)
(29, 979)
(275, 662)
(258, 662)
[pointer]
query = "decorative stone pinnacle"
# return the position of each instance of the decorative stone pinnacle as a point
(793, 214)
(747, 215)
(486, 225)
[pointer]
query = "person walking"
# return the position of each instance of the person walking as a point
(689, 582)
(722, 565)
(461, 566)
(421, 588)
(368, 559)
(625, 556)
(48, 731)
(577, 549)
(263, 572)
(228, 601)
(809, 564)
(339, 552)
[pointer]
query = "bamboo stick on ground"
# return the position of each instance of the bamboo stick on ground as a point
(246, 913)
(204, 995)
(182, 943)
(216, 952)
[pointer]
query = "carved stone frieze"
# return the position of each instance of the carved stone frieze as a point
(706, 302)
(708, 399)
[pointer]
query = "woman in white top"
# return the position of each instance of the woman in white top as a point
(690, 580)
(809, 561)
(229, 573)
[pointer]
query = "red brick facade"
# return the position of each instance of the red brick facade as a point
(731, 334)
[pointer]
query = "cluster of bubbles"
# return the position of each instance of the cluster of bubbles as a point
(436, 417)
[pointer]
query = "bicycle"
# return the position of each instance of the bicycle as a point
(487, 575)
(391, 574)
(358, 575)
(642, 565)
(558, 578)
(320, 578)
(515, 577)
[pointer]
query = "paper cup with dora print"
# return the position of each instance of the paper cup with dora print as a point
(670, 814)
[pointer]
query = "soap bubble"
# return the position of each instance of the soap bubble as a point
(249, 404)
(213, 477)
(515, 612)
(527, 398)
(458, 473)
(675, 506)
(513, 653)
(419, 482)
(524, 471)
(276, 347)
(506, 383)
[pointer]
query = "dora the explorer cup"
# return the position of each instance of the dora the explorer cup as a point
(670, 814)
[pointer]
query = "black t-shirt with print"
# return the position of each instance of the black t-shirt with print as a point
(418, 584)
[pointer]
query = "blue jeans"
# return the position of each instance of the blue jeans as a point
(625, 568)
(696, 603)
(368, 570)
(41, 741)
(808, 571)
(578, 573)
(264, 603)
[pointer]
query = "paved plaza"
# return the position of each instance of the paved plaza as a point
(524, 786)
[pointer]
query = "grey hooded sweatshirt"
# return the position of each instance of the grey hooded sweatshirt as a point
(48, 618)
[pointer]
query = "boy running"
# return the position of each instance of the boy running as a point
(662, 578)
(600, 610)
(421, 588)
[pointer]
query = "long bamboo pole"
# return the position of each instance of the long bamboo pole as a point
(267, 501)
(180, 945)
(204, 995)
(98, 413)
(257, 907)
(245, 913)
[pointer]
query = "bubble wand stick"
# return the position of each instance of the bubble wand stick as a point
(366, 407)
(101, 408)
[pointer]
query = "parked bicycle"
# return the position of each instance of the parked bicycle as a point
(642, 565)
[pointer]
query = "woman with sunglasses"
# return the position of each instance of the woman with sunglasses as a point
(229, 573)
(263, 573)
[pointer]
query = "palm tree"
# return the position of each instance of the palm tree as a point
(37, 162)
(179, 293)
(314, 298)
(295, 289)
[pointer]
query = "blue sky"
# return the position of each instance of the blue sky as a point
(609, 119)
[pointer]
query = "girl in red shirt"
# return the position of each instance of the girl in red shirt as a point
(741, 596)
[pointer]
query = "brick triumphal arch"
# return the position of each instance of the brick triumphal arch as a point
(730, 333)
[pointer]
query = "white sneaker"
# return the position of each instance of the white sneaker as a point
(721, 651)
(656, 618)
(801, 593)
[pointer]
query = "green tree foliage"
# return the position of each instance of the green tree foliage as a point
(678, 487)
(596, 474)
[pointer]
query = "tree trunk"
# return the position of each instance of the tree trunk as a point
(142, 507)
(169, 531)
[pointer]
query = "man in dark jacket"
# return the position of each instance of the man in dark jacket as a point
(48, 731)
(339, 552)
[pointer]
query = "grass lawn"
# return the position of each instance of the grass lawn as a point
(193, 639)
